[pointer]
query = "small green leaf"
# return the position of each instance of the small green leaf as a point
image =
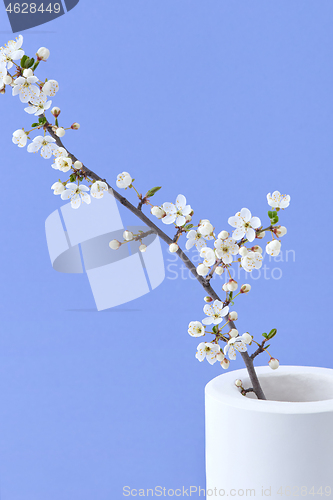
(230, 295)
(232, 303)
(35, 124)
(272, 334)
(215, 329)
(275, 219)
(152, 191)
(23, 61)
(188, 227)
(72, 177)
(56, 122)
(30, 63)
(267, 346)
(265, 335)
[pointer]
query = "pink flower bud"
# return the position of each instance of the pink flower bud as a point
(208, 299)
(75, 126)
(245, 288)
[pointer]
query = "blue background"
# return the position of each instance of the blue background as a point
(222, 101)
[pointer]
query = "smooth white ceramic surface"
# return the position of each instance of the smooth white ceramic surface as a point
(263, 446)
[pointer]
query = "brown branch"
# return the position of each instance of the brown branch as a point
(205, 283)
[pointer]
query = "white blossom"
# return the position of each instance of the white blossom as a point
(233, 316)
(215, 313)
(26, 88)
(114, 244)
(158, 212)
(143, 248)
(209, 351)
(63, 163)
(7, 80)
(196, 329)
(202, 270)
(3, 73)
(223, 235)
(274, 363)
(245, 224)
(176, 213)
(205, 227)
(195, 238)
(209, 256)
(59, 153)
(243, 251)
(38, 104)
(44, 144)
(273, 248)
(77, 194)
(233, 345)
(58, 188)
(233, 332)
(256, 248)
(20, 138)
(98, 189)
(51, 87)
(78, 165)
(247, 338)
(124, 180)
(12, 51)
(219, 270)
(173, 247)
(232, 285)
(43, 54)
(60, 132)
(252, 260)
(278, 200)
(225, 249)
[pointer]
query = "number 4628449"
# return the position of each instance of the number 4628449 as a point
(31, 8)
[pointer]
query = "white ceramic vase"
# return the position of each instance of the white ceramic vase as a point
(277, 448)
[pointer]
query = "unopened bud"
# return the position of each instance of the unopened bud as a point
(205, 228)
(273, 248)
(173, 247)
(256, 248)
(75, 126)
(2, 88)
(43, 54)
(232, 285)
(188, 218)
(7, 79)
(143, 248)
(225, 363)
(28, 72)
(233, 316)
(220, 356)
(219, 270)
(78, 165)
(223, 235)
(245, 288)
(128, 235)
(202, 270)
(233, 332)
(56, 111)
(238, 383)
(261, 235)
(158, 212)
(60, 132)
(247, 338)
(114, 244)
(208, 299)
(243, 251)
(274, 363)
(225, 287)
(278, 230)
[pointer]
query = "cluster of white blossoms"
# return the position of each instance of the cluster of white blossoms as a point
(228, 249)
(36, 95)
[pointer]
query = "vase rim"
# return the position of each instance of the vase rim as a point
(222, 388)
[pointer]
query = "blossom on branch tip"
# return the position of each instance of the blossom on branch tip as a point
(124, 180)
(215, 313)
(278, 200)
(252, 260)
(77, 194)
(245, 225)
(38, 104)
(12, 51)
(43, 54)
(209, 351)
(114, 244)
(26, 88)
(51, 87)
(196, 329)
(273, 248)
(44, 144)
(98, 188)
(274, 363)
(58, 188)
(20, 138)
(225, 249)
(176, 213)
